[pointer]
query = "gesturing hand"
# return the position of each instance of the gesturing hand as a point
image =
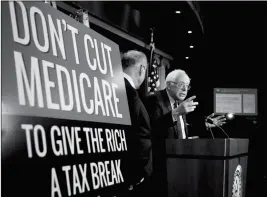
(219, 120)
(185, 107)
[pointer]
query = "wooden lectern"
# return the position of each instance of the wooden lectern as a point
(206, 167)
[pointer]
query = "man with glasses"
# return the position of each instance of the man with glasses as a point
(168, 107)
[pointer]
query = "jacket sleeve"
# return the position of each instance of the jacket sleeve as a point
(159, 121)
(139, 139)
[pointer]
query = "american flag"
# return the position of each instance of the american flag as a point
(153, 76)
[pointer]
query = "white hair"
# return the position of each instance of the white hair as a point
(174, 75)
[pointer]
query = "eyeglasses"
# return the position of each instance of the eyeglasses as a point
(179, 85)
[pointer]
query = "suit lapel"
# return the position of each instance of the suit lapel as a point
(167, 104)
(166, 100)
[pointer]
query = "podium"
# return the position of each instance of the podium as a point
(206, 167)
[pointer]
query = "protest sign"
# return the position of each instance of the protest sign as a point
(64, 106)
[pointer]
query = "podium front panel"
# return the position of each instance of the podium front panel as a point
(195, 177)
(200, 168)
(236, 180)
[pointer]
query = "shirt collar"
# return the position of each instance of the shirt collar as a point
(129, 79)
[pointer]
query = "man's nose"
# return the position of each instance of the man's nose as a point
(184, 88)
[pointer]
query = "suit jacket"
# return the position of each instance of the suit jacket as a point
(138, 138)
(160, 108)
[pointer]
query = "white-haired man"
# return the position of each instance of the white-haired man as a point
(168, 107)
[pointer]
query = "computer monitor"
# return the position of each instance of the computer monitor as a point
(235, 100)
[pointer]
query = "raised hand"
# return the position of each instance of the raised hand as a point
(185, 107)
(219, 120)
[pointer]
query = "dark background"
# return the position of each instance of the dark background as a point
(235, 57)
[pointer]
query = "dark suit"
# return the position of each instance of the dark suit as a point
(163, 126)
(160, 108)
(139, 144)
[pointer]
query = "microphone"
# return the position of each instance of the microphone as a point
(209, 120)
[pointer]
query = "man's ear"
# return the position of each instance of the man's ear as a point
(168, 85)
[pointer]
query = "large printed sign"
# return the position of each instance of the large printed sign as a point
(64, 106)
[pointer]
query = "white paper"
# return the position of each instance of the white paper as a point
(228, 103)
(249, 105)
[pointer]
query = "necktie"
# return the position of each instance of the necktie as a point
(178, 126)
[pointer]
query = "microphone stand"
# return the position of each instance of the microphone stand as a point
(206, 121)
(222, 130)
(219, 128)
(209, 121)
(211, 132)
